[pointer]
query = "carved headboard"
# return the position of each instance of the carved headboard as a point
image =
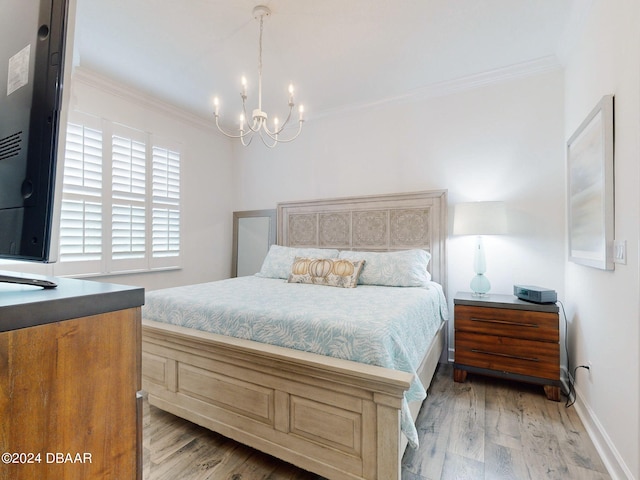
(372, 223)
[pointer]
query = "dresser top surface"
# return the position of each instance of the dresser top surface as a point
(27, 306)
(495, 300)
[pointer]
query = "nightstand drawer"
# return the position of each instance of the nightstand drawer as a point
(504, 354)
(539, 326)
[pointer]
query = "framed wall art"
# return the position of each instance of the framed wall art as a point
(590, 188)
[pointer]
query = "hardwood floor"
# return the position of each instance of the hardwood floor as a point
(482, 429)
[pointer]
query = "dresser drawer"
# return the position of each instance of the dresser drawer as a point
(505, 354)
(539, 326)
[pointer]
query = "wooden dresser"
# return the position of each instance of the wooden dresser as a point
(501, 335)
(70, 372)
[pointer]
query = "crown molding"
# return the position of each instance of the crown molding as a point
(439, 89)
(93, 79)
(530, 68)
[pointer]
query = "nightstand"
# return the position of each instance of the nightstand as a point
(503, 336)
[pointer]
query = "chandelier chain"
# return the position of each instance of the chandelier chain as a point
(260, 64)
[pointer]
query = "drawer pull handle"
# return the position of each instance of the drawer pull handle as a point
(506, 355)
(503, 322)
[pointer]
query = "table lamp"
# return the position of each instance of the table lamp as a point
(480, 218)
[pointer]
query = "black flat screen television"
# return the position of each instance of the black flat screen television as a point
(33, 36)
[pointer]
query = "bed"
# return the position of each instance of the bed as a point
(306, 397)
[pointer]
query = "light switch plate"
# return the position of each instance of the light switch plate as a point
(620, 251)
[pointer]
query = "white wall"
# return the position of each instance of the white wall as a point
(499, 142)
(603, 306)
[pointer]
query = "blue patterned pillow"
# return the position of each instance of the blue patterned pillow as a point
(405, 268)
(279, 259)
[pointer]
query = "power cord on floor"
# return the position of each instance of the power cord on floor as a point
(572, 392)
(571, 387)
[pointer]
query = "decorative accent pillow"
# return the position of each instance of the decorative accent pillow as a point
(404, 268)
(277, 263)
(326, 271)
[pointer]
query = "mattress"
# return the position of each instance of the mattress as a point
(390, 327)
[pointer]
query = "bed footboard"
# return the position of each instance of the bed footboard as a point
(337, 418)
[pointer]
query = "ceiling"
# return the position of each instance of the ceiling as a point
(339, 54)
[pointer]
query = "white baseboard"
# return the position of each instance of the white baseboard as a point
(610, 456)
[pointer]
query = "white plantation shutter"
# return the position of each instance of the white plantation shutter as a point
(166, 203)
(128, 232)
(81, 213)
(166, 232)
(128, 187)
(128, 168)
(83, 160)
(80, 231)
(166, 175)
(121, 201)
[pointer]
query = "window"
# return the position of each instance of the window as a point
(121, 201)
(166, 203)
(81, 217)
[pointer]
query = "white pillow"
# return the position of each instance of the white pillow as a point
(279, 259)
(404, 268)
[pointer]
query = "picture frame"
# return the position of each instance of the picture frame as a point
(590, 188)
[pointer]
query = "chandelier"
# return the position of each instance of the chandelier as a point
(258, 124)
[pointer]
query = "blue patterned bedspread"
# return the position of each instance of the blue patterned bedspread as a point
(390, 327)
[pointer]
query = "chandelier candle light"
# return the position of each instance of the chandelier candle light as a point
(270, 137)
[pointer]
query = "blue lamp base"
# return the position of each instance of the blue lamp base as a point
(480, 285)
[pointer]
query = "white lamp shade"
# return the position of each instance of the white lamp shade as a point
(480, 218)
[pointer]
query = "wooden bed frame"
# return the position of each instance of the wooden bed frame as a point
(337, 418)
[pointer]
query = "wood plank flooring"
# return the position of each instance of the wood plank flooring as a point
(482, 429)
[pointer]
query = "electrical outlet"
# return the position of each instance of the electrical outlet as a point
(620, 251)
